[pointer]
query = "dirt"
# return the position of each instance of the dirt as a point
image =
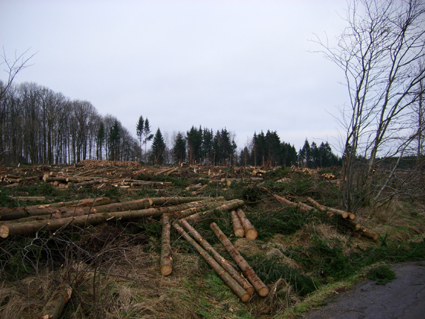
(403, 298)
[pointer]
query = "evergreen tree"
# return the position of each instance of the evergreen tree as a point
(207, 145)
(273, 152)
(315, 156)
(305, 155)
(328, 158)
(147, 133)
(158, 148)
(140, 128)
(194, 143)
(179, 150)
(289, 156)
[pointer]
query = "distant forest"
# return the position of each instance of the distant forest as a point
(40, 126)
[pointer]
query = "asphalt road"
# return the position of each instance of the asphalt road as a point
(403, 298)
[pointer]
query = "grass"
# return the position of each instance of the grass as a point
(303, 257)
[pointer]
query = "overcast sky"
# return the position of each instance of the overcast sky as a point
(242, 65)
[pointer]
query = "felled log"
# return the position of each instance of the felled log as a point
(301, 206)
(130, 205)
(166, 259)
(48, 178)
(221, 260)
(150, 183)
(11, 213)
(167, 171)
(237, 226)
(250, 231)
(32, 227)
(29, 198)
(163, 201)
(330, 209)
(194, 187)
(232, 283)
(249, 273)
(208, 205)
(81, 202)
(56, 303)
(91, 182)
(232, 204)
(79, 179)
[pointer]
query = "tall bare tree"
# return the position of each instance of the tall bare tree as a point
(379, 53)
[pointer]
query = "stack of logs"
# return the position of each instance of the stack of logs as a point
(243, 285)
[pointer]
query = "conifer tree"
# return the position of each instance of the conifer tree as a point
(179, 150)
(147, 133)
(158, 148)
(140, 128)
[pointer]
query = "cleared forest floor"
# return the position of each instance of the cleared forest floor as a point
(113, 267)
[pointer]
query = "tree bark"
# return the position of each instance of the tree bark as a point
(331, 210)
(303, 207)
(57, 302)
(190, 211)
(232, 204)
(237, 226)
(221, 260)
(236, 288)
(250, 231)
(259, 286)
(11, 213)
(166, 259)
(27, 228)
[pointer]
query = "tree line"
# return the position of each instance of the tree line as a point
(40, 126)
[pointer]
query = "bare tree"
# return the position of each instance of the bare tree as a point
(379, 53)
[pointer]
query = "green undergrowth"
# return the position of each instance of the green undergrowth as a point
(285, 221)
(270, 270)
(382, 274)
(329, 261)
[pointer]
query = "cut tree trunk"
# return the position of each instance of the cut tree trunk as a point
(333, 210)
(190, 211)
(221, 260)
(30, 198)
(11, 213)
(164, 201)
(56, 303)
(249, 273)
(32, 227)
(232, 283)
(232, 204)
(166, 259)
(250, 231)
(237, 226)
(288, 202)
